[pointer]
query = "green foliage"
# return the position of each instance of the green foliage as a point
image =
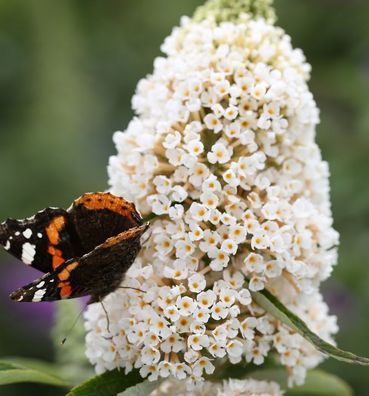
(318, 383)
(28, 370)
(274, 307)
(70, 355)
(109, 383)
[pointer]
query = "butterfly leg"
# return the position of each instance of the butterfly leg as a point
(107, 316)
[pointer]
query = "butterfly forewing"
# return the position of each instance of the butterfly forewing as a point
(99, 216)
(42, 241)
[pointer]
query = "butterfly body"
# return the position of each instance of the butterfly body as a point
(85, 250)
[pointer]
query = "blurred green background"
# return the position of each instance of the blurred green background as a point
(67, 72)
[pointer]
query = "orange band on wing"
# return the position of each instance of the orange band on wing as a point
(64, 274)
(57, 256)
(52, 230)
(57, 261)
(65, 289)
(100, 201)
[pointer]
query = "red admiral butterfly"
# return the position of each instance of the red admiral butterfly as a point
(85, 250)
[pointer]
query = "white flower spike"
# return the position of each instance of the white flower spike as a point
(223, 151)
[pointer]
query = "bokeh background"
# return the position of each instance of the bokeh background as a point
(67, 72)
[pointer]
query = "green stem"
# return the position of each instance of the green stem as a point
(230, 10)
(149, 217)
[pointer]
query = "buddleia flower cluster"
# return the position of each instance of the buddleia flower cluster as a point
(231, 387)
(222, 156)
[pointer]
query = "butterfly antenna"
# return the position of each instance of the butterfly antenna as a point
(72, 327)
(3, 233)
(132, 288)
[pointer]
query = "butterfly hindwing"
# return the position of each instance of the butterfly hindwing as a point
(42, 241)
(102, 270)
(97, 273)
(51, 287)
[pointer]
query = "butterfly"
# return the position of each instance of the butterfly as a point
(84, 250)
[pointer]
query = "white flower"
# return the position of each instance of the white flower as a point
(206, 299)
(150, 355)
(165, 369)
(186, 306)
(235, 348)
(254, 263)
(199, 173)
(247, 328)
(212, 122)
(209, 199)
(257, 283)
(196, 283)
(202, 315)
(199, 212)
(229, 246)
(181, 370)
(179, 270)
(198, 341)
(172, 140)
(179, 194)
(222, 150)
(238, 233)
(219, 311)
(219, 153)
(172, 313)
(203, 364)
(244, 297)
(210, 240)
(195, 147)
(220, 259)
(172, 344)
(184, 248)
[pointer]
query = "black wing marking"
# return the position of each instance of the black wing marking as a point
(42, 241)
(97, 273)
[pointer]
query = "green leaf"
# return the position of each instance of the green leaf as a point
(274, 307)
(39, 365)
(27, 370)
(109, 383)
(318, 383)
(142, 389)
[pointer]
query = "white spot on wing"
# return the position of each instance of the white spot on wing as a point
(39, 285)
(20, 298)
(7, 245)
(39, 234)
(17, 233)
(28, 253)
(38, 295)
(27, 233)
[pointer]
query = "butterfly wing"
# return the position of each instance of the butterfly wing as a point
(97, 273)
(99, 216)
(43, 241)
